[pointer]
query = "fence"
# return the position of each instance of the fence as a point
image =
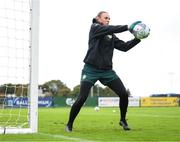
(94, 101)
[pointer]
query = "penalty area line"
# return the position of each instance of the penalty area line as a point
(65, 137)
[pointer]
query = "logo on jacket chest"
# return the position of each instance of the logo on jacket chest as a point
(108, 37)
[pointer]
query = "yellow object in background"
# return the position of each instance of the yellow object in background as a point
(159, 101)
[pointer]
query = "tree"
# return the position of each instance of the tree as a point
(75, 91)
(9, 88)
(108, 92)
(55, 88)
(97, 90)
(21, 90)
(129, 93)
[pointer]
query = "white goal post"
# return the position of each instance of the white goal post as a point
(19, 37)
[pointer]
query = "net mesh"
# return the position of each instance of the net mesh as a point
(14, 62)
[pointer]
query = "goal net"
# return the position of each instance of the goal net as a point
(18, 66)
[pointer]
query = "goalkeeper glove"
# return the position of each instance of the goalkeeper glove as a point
(131, 27)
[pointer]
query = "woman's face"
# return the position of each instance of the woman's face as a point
(104, 19)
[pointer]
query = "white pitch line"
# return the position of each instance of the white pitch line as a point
(66, 137)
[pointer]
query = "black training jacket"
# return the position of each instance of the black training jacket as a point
(102, 42)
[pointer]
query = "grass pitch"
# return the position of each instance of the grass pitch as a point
(148, 124)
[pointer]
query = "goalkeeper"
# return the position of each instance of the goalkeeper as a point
(98, 65)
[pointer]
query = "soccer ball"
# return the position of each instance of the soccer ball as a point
(141, 31)
(96, 108)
